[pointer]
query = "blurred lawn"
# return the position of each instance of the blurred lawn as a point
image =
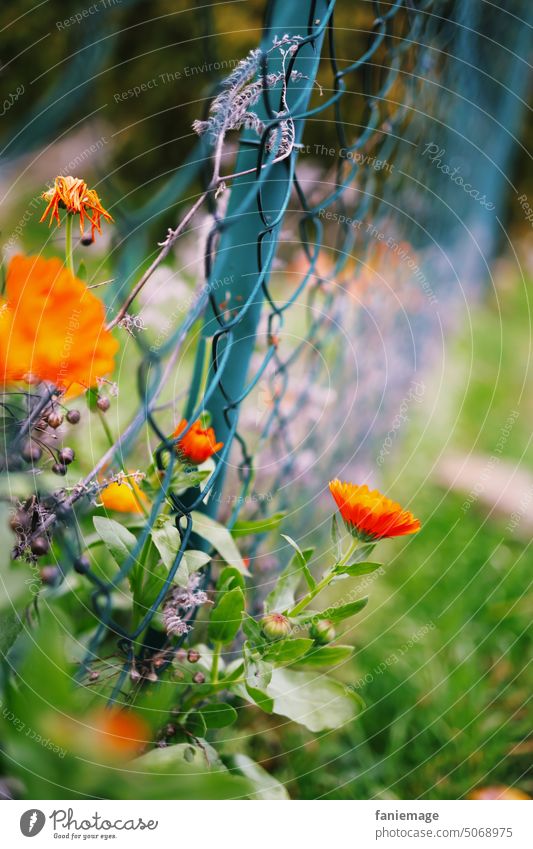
(449, 620)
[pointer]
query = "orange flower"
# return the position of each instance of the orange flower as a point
(111, 736)
(74, 195)
(369, 515)
(52, 327)
(123, 496)
(198, 444)
(117, 732)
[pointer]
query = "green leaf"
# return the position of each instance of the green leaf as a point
(229, 578)
(184, 771)
(266, 787)
(220, 538)
(252, 630)
(258, 675)
(318, 702)
(283, 595)
(337, 614)
(10, 628)
(303, 558)
(336, 537)
(117, 539)
(146, 586)
(356, 569)
(195, 724)
(242, 528)
(226, 617)
(91, 396)
(286, 651)
(218, 715)
(167, 540)
(326, 656)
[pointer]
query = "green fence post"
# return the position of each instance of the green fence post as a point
(236, 261)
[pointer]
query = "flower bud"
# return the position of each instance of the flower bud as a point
(322, 631)
(59, 469)
(73, 416)
(103, 403)
(199, 678)
(275, 626)
(193, 656)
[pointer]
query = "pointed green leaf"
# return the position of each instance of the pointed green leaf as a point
(257, 678)
(337, 614)
(283, 595)
(266, 787)
(303, 559)
(218, 715)
(242, 528)
(318, 702)
(220, 538)
(226, 617)
(336, 537)
(287, 651)
(116, 538)
(326, 656)
(357, 569)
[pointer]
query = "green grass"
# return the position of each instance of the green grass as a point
(446, 713)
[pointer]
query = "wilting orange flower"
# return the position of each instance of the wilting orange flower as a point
(52, 327)
(123, 496)
(198, 444)
(77, 198)
(369, 515)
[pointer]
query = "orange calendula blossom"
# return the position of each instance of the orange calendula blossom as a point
(198, 444)
(52, 327)
(369, 515)
(124, 496)
(77, 198)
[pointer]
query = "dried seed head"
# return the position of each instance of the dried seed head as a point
(39, 546)
(31, 452)
(59, 469)
(199, 678)
(49, 574)
(66, 455)
(193, 656)
(18, 521)
(54, 419)
(73, 416)
(103, 403)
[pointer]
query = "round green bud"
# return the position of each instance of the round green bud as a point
(322, 631)
(275, 626)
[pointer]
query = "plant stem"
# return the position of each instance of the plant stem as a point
(214, 666)
(106, 428)
(68, 243)
(311, 594)
(324, 582)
